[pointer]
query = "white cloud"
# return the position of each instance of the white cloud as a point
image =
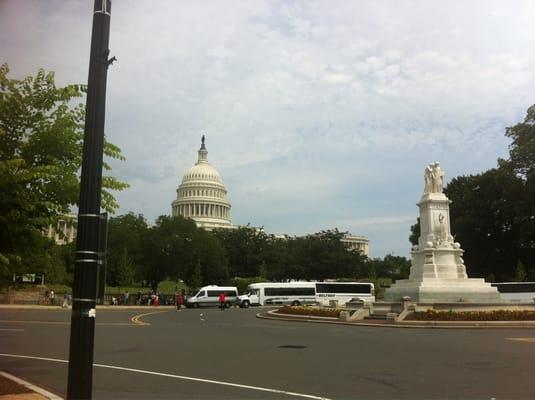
(331, 91)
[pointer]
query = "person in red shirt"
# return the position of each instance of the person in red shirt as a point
(222, 300)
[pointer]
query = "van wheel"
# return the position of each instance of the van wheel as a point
(245, 304)
(295, 303)
(195, 305)
(227, 304)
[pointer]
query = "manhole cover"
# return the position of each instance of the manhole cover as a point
(292, 346)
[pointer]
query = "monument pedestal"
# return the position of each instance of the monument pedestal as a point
(439, 290)
(438, 273)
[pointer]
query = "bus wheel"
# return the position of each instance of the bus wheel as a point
(295, 303)
(245, 304)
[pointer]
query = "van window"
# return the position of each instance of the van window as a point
(200, 294)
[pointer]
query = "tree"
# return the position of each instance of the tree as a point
(41, 139)
(486, 214)
(175, 248)
(126, 270)
(415, 232)
(245, 248)
(522, 148)
(210, 253)
(125, 238)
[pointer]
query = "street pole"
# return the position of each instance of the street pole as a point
(80, 378)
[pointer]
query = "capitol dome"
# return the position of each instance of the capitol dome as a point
(202, 196)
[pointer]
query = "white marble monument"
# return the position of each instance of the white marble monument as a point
(438, 273)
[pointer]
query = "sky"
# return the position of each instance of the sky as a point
(317, 114)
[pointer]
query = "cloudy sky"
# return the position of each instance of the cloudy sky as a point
(318, 114)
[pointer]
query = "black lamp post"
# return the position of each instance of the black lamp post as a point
(80, 378)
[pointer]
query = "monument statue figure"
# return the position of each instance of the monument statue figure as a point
(438, 273)
(434, 178)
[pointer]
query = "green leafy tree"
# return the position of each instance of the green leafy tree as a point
(486, 212)
(245, 249)
(167, 249)
(126, 270)
(174, 247)
(520, 273)
(522, 148)
(41, 139)
(195, 279)
(415, 232)
(214, 264)
(125, 238)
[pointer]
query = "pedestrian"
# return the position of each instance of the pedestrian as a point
(126, 296)
(65, 300)
(222, 300)
(52, 297)
(179, 300)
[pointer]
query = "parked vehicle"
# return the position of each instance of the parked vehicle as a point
(299, 293)
(208, 296)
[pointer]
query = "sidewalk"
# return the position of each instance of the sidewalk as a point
(99, 307)
(14, 388)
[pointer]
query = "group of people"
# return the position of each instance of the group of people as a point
(50, 298)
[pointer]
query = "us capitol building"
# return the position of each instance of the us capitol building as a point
(202, 196)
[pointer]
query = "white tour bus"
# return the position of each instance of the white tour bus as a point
(209, 296)
(516, 291)
(343, 292)
(297, 293)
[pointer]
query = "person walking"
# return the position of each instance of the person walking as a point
(65, 300)
(125, 298)
(179, 300)
(222, 300)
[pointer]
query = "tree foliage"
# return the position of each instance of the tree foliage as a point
(125, 257)
(522, 148)
(41, 139)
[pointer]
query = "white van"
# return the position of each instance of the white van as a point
(209, 296)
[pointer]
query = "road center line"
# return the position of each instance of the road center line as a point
(188, 378)
(136, 319)
(11, 330)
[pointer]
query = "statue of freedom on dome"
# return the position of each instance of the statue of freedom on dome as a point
(433, 178)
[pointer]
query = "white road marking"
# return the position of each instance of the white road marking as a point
(522, 339)
(188, 378)
(46, 394)
(11, 330)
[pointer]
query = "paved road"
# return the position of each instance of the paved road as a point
(233, 347)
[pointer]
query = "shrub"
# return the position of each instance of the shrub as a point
(316, 312)
(498, 315)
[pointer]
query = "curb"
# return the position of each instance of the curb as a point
(273, 315)
(46, 394)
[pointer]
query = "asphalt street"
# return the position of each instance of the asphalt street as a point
(213, 354)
